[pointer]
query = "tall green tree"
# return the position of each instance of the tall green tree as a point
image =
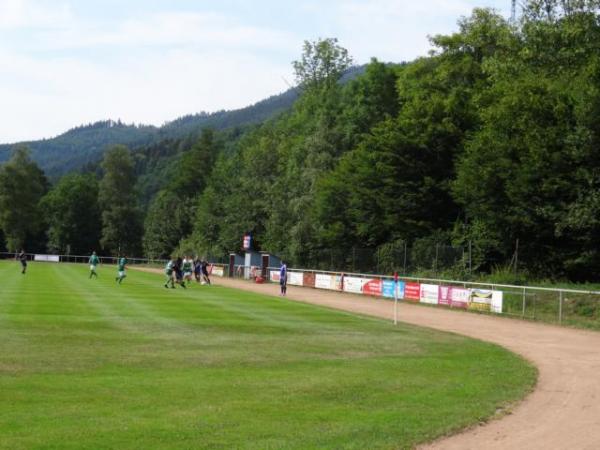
(22, 185)
(121, 218)
(196, 165)
(323, 62)
(73, 215)
(164, 225)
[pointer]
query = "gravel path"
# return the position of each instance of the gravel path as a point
(564, 410)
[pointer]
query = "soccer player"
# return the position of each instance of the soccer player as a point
(23, 258)
(187, 269)
(121, 269)
(205, 272)
(178, 269)
(169, 273)
(93, 263)
(197, 269)
(283, 278)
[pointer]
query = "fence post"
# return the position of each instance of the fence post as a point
(470, 258)
(560, 303)
(523, 315)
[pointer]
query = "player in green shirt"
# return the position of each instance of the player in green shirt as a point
(187, 269)
(121, 268)
(93, 262)
(169, 274)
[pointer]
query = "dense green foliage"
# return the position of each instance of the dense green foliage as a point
(73, 215)
(121, 219)
(491, 139)
(91, 364)
(22, 185)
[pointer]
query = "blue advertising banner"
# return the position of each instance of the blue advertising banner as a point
(388, 289)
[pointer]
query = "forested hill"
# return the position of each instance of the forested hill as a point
(86, 144)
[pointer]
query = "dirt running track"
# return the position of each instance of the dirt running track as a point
(564, 410)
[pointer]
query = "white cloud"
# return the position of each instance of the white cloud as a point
(394, 30)
(53, 96)
(150, 70)
(16, 14)
(207, 30)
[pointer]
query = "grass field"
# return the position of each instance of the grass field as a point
(90, 364)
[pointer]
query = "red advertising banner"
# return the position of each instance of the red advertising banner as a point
(309, 279)
(373, 287)
(412, 291)
(445, 296)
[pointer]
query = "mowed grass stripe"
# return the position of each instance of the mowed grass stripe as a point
(89, 364)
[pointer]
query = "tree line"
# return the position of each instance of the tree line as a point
(490, 140)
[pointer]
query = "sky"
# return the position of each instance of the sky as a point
(64, 63)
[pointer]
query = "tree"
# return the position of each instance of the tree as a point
(22, 185)
(195, 166)
(121, 219)
(73, 215)
(322, 63)
(164, 225)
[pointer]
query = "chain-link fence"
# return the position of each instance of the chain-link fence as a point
(398, 257)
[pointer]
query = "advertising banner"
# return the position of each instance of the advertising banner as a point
(274, 276)
(296, 278)
(497, 300)
(430, 294)
(218, 271)
(373, 287)
(459, 297)
(331, 282)
(308, 279)
(412, 291)
(47, 258)
(323, 281)
(353, 285)
(481, 300)
(444, 297)
(388, 289)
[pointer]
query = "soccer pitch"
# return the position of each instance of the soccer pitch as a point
(91, 364)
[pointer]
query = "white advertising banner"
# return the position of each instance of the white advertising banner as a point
(323, 281)
(218, 271)
(47, 258)
(497, 300)
(430, 293)
(296, 278)
(274, 276)
(354, 284)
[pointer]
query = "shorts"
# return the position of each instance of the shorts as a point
(187, 274)
(121, 273)
(92, 267)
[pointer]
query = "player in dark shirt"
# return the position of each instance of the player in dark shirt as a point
(23, 258)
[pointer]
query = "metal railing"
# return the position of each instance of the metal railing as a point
(551, 305)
